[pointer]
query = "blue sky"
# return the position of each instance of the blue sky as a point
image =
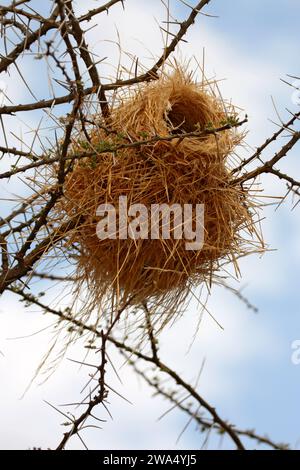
(248, 374)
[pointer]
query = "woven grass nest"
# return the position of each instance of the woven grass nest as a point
(189, 170)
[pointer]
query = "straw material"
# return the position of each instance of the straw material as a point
(193, 170)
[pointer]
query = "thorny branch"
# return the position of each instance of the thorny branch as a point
(132, 355)
(108, 148)
(194, 413)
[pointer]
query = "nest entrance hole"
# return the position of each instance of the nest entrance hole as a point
(189, 111)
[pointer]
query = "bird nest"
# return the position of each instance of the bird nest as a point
(161, 147)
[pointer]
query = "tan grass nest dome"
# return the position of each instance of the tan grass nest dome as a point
(189, 170)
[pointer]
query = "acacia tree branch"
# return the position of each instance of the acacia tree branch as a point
(124, 349)
(19, 210)
(20, 12)
(267, 167)
(104, 8)
(102, 387)
(46, 25)
(56, 194)
(151, 74)
(5, 262)
(284, 176)
(78, 423)
(204, 423)
(229, 429)
(268, 141)
(25, 265)
(86, 57)
(109, 148)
